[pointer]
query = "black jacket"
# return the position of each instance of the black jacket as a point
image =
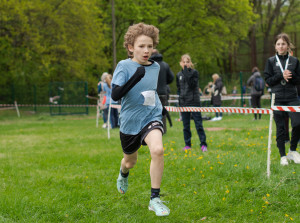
(216, 95)
(284, 91)
(188, 87)
(165, 77)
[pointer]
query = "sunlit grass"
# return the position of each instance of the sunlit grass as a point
(64, 169)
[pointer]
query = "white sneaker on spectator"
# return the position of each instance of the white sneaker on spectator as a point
(104, 125)
(293, 155)
(284, 161)
(219, 118)
(214, 119)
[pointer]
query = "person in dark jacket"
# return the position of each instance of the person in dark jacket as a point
(188, 90)
(282, 74)
(255, 95)
(165, 77)
(216, 95)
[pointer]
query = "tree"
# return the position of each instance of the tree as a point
(51, 40)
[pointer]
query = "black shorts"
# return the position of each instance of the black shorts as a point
(131, 143)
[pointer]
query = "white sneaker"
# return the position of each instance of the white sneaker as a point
(104, 125)
(214, 119)
(284, 161)
(293, 155)
(158, 207)
(219, 118)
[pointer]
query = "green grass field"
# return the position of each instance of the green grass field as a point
(64, 169)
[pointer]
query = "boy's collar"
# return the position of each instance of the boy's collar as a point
(151, 62)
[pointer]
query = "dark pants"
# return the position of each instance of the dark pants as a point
(104, 116)
(186, 119)
(114, 116)
(287, 132)
(279, 117)
(218, 113)
(164, 102)
(255, 101)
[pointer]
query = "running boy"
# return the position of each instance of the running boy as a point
(135, 82)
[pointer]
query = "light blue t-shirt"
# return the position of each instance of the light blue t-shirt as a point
(141, 105)
(108, 95)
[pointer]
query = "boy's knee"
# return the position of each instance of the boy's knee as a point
(129, 164)
(157, 151)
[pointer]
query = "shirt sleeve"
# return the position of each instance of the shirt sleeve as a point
(119, 77)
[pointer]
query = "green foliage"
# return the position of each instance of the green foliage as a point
(51, 40)
(71, 40)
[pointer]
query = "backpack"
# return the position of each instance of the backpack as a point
(259, 83)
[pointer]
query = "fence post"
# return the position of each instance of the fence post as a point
(86, 98)
(34, 97)
(241, 83)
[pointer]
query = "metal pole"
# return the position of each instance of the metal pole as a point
(86, 98)
(241, 83)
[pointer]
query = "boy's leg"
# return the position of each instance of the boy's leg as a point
(154, 142)
(127, 163)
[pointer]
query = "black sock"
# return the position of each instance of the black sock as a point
(154, 192)
(124, 174)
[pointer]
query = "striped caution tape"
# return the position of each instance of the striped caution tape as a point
(182, 109)
(45, 105)
(286, 108)
(219, 109)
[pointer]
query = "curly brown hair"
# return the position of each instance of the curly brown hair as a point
(137, 30)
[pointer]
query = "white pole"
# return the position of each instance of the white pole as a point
(17, 109)
(270, 137)
(108, 120)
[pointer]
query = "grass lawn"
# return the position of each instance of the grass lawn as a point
(64, 169)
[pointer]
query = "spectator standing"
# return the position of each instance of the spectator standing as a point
(256, 89)
(113, 111)
(165, 77)
(188, 90)
(102, 97)
(135, 82)
(282, 74)
(216, 95)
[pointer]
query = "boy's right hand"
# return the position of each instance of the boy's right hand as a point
(140, 72)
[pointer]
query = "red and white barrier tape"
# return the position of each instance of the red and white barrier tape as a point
(45, 105)
(184, 109)
(218, 109)
(286, 108)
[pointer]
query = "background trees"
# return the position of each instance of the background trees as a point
(64, 40)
